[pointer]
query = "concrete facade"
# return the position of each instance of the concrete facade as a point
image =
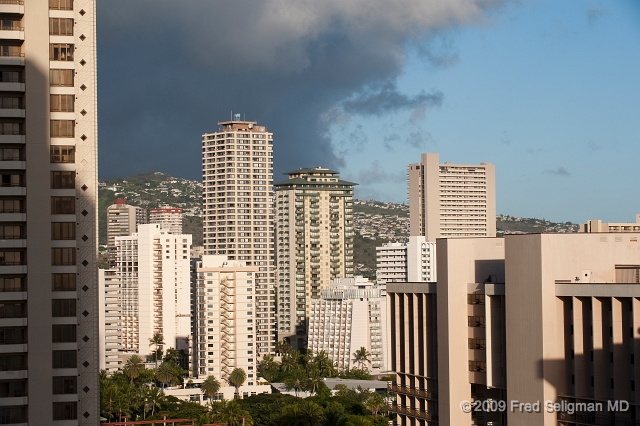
(314, 241)
(48, 210)
(237, 171)
(391, 263)
(451, 200)
(122, 220)
(153, 266)
(226, 319)
(350, 314)
(414, 261)
(548, 318)
(599, 226)
(168, 218)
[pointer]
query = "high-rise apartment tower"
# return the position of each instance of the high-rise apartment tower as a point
(122, 220)
(48, 203)
(451, 200)
(237, 172)
(314, 239)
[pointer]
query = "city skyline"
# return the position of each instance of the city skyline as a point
(545, 92)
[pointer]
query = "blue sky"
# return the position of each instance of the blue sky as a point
(547, 91)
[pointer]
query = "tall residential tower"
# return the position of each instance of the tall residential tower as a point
(48, 202)
(237, 171)
(451, 200)
(314, 240)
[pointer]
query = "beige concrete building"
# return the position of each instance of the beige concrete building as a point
(599, 226)
(122, 220)
(153, 266)
(226, 319)
(111, 355)
(237, 170)
(48, 213)
(314, 241)
(451, 200)
(350, 314)
(168, 218)
(552, 319)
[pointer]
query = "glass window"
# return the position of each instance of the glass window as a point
(63, 205)
(60, 52)
(60, 78)
(63, 282)
(60, 26)
(61, 4)
(63, 333)
(63, 256)
(63, 231)
(64, 359)
(63, 307)
(61, 103)
(64, 384)
(65, 410)
(63, 154)
(62, 128)
(63, 180)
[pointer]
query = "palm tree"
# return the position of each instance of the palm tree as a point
(325, 365)
(313, 379)
(295, 380)
(236, 379)
(154, 398)
(133, 367)
(334, 414)
(305, 413)
(282, 347)
(210, 387)
(361, 356)
(375, 403)
(169, 372)
(158, 341)
(232, 414)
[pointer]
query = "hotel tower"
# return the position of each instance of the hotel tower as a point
(48, 222)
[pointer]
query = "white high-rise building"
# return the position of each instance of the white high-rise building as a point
(226, 319)
(154, 270)
(451, 200)
(48, 213)
(122, 220)
(237, 171)
(350, 315)
(111, 355)
(414, 261)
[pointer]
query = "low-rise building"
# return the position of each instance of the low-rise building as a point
(600, 226)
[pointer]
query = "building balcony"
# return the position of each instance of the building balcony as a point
(412, 412)
(15, 7)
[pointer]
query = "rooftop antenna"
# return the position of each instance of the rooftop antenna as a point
(245, 116)
(231, 115)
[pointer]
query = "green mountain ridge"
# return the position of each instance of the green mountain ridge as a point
(375, 222)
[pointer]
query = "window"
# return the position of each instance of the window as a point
(11, 257)
(12, 284)
(13, 414)
(63, 154)
(61, 78)
(63, 333)
(63, 282)
(478, 366)
(10, 232)
(9, 128)
(63, 307)
(13, 335)
(11, 179)
(61, 4)
(65, 410)
(62, 128)
(476, 321)
(61, 103)
(63, 180)
(60, 52)
(10, 51)
(13, 388)
(60, 26)
(64, 384)
(63, 231)
(11, 76)
(63, 256)
(11, 154)
(11, 102)
(63, 205)
(11, 309)
(64, 359)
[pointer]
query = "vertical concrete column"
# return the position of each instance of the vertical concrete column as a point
(636, 345)
(621, 380)
(581, 370)
(600, 359)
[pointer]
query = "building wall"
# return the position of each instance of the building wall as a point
(110, 316)
(31, 254)
(421, 260)
(226, 315)
(599, 226)
(237, 169)
(314, 239)
(169, 218)
(391, 263)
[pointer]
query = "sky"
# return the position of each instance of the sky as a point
(547, 91)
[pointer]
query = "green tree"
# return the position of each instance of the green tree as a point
(374, 403)
(324, 364)
(232, 414)
(154, 399)
(361, 356)
(334, 414)
(359, 421)
(169, 372)
(282, 348)
(304, 413)
(295, 380)
(313, 379)
(158, 342)
(236, 379)
(133, 367)
(210, 387)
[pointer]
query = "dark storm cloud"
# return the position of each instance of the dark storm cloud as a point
(169, 71)
(389, 99)
(376, 174)
(560, 171)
